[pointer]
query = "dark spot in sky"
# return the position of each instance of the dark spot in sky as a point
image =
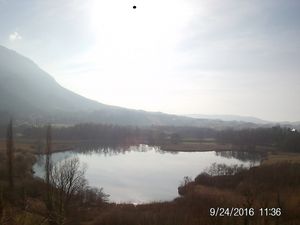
(134, 7)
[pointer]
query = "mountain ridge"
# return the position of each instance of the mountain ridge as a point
(28, 93)
(229, 117)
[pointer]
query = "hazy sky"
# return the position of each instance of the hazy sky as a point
(175, 56)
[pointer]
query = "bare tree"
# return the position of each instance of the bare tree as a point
(48, 166)
(48, 154)
(10, 156)
(67, 180)
(1, 204)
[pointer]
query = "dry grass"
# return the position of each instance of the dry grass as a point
(30, 145)
(24, 145)
(221, 194)
(279, 157)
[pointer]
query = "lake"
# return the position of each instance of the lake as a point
(140, 174)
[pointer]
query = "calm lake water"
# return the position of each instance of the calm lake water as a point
(144, 173)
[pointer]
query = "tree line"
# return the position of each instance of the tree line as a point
(283, 138)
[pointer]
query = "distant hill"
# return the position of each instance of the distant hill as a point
(237, 119)
(31, 95)
(248, 119)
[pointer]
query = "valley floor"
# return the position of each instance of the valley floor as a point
(274, 184)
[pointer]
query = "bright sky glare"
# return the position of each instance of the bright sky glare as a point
(174, 56)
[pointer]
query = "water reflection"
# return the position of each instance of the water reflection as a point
(253, 157)
(106, 150)
(143, 173)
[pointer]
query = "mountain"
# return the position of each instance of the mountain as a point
(248, 119)
(25, 88)
(29, 94)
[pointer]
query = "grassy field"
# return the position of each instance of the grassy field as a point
(34, 146)
(279, 157)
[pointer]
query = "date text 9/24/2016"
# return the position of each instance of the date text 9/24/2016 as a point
(239, 212)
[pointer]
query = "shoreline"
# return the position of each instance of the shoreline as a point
(273, 155)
